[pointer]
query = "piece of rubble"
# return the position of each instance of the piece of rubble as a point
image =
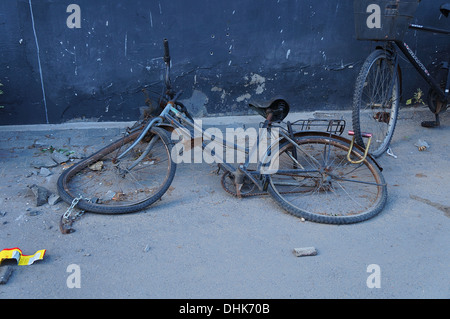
(34, 213)
(5, 273)
(46, 162)
(96, 166)
(59, 157)
(108, 196)
(53, 199)
(41, 194)
(302, 252)
(29, 174)
(76, 155)
(45, 172)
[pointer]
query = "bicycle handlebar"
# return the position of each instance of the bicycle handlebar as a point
(166, 51)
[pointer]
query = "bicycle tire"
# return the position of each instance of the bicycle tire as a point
(369, 114)
(326, 196)
(78, 174)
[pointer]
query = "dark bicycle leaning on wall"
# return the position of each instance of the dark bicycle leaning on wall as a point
(378, 87)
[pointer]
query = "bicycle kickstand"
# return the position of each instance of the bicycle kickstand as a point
(431, 124)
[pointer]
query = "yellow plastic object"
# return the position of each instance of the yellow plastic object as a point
(22, 260)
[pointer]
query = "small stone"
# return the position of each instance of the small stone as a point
(76, 155)
(41, 194)
(44, 162)
(5, 273)
(3, 214)
(97, 166)
(302, 252)
(34, 213)
(147, 249)
(59, 157)
(29, 174)
(53, 199)
(45, 172)
(108, 196)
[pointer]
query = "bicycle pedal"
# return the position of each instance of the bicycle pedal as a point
(238, 190)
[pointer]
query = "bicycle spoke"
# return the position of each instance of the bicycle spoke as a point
(339, 189)
(376, 102)
(133, 179)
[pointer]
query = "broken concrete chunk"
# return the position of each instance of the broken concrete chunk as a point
(29, 174)
(44, 162)
(97, 166)
(76, 155)
(108, 196)
(45, 172)
(302, 252)
(34, 213)
(53, 199)
(41, 194)
(59, 157)
(5, 273)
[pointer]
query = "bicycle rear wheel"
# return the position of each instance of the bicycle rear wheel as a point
(318, 183)
(111, 186)
(376, 102)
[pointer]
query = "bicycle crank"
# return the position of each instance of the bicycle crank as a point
(247, 188)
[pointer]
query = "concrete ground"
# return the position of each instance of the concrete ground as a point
(199, 242)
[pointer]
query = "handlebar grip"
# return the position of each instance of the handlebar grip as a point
(166, 51)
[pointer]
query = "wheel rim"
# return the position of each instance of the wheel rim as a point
(109, 182)
(337, 188)
(378, 109)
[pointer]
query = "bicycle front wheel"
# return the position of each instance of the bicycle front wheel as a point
(376, 102)
(314, 180)
(109, 185)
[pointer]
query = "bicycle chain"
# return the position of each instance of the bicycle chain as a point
(233, 192)
(66, 221)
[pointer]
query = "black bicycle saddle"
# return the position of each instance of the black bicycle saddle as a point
(277, 106)
(445, 9)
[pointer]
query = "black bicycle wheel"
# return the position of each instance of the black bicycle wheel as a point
(107, 185)
(318, 183)
(376, 102)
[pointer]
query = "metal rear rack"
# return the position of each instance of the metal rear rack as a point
(336, 127)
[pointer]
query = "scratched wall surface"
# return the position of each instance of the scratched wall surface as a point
(224, 54)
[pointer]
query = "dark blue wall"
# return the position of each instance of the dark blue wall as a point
(223, 53)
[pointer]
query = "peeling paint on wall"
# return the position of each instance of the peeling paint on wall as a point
(257, 81)
(196, 104)
(244, 97)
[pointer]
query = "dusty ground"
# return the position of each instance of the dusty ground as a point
(198, 242)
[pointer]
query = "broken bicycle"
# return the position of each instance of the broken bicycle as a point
(311, 173)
